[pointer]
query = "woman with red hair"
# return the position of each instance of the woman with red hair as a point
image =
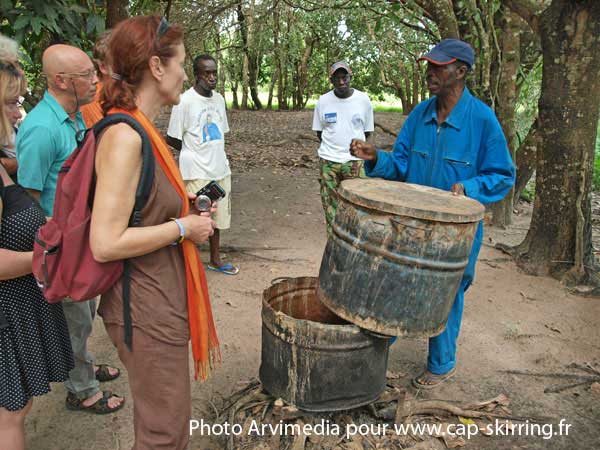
(168, 297)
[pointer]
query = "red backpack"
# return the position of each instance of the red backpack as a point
(63, 263)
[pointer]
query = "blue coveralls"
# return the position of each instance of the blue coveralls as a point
(468, 147)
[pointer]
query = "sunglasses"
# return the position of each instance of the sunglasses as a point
(163, 26)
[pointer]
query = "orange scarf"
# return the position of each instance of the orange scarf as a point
(92, 112)
(205, 344)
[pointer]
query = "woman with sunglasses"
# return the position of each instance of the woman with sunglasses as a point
(35, 349)
(168, 296)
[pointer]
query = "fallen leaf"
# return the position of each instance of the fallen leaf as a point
(466, 421)
(501, 400)
(451, 439)
(485, 430)
(595, 388)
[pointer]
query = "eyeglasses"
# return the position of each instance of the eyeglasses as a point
(88, 74)
(163, 26)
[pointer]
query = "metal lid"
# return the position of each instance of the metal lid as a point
(412, 200)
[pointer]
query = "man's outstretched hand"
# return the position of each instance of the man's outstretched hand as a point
(458, 189)
(363, 150)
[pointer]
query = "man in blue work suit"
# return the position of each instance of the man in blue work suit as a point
(454, 142)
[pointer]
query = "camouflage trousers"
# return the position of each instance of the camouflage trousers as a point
(331, 175)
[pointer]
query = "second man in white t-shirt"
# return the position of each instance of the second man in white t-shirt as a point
(341, 115)
(197, 127)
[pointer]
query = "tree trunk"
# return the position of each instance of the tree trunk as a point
(116, 11)
(416, 85)
(272, 88)
(252, 52)
(526, 159)
(277, 56)
(219, 58)
(303, 72)
(559, 239)
(442, 14)
(244, 35)
(253, 68)
(245, 82)
(424, 91)
(236, 102)
(282, 92)
(507, 98)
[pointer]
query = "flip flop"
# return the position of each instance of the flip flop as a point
(227, 269)
(434, 379)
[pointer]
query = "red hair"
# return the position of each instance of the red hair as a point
(132, 43)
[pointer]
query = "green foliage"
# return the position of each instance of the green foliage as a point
(528, 193)
(35, 24)
(372, 36)
(530, 86)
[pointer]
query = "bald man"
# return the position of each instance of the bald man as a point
(45, 140)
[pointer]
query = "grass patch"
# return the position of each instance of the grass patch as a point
(390, 104)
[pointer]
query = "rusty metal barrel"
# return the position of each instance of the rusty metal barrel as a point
(396, 255)
(312, 358)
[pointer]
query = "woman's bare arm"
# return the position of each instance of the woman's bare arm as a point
(118, 167)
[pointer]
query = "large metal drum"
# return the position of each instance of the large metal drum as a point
(397, 253)
(313, 359)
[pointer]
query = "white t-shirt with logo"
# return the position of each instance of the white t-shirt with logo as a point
(340, 120)
(201, 123)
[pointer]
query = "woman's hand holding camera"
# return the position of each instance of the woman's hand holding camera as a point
(194, 209)
(198, 227)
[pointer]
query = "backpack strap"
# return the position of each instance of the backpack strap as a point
(141, 197)
(147, 176)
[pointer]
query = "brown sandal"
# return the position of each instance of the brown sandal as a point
(103, 373)
(99, 407)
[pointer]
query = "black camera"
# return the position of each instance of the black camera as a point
(208, 195)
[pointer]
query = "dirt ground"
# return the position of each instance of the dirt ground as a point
(512, 321)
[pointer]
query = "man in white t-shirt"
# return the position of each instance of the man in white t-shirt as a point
(197, 127)
(341, 115)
